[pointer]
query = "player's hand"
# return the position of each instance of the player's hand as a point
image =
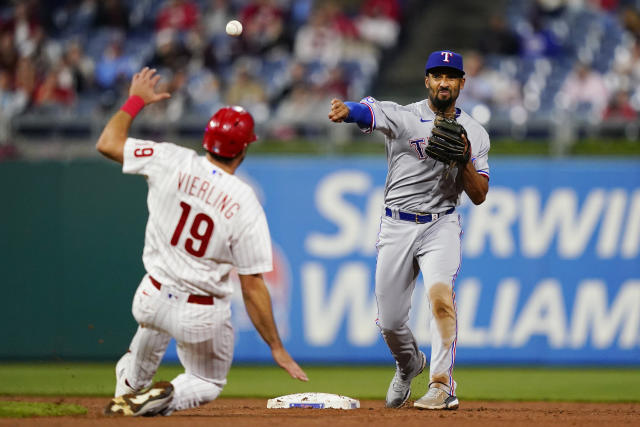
(467, 144)
(339, 111)
(286, 362)
(143, 84)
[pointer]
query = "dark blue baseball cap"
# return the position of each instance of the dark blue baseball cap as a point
(444, 58)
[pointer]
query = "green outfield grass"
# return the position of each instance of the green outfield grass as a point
(39, 409)
(369, 382)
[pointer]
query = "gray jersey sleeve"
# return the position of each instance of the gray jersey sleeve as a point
(479, 139)
(387, 117)
(480, 159)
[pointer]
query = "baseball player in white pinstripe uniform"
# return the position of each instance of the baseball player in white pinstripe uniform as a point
(203, 221)
(420, 230)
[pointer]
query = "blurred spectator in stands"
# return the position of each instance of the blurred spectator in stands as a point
(584, 92)
(499, 39)
(488, 92)
(378, 22)
(113, 72)
(619, 108)
(606, 5)
(170, 52)
(359, 53)
(112, 14)
(291, 113)
(25, 78)
(338, 19)
(477, 88)
(181, 15)
(549, 8)
(392, 9)
(263, 22)
(296, 75)
(215, 17)
(55, 91)
(538, 41)
(203, 90)
(318, 42)
(74, 17)
(12, 103)
(25, 27)
(336, 84)
(195, 44)
(220, 49)
(114, 67)
(8, 53)
(299, 13)
(631, 20)
(173, 109)
(245, 89)
(80, 66)
(299, 114)
(626, 65)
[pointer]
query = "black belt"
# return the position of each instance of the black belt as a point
(417, 218)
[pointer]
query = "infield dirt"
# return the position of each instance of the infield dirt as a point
(253, 412)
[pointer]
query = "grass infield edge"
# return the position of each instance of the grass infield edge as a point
(25, 409)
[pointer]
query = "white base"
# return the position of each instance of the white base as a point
(314, 401)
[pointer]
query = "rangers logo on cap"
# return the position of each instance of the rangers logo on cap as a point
(444, 58)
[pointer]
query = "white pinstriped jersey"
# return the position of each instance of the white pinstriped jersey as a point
(202, 221)
(416, 182)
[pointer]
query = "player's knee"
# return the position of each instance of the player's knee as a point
(441, 301)
(191, 391)
(444, 312)
(391, 323)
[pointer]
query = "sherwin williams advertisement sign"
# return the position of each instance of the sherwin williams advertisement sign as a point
(550, 272)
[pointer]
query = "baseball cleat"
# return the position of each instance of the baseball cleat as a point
(400, 388)
(148, 402)
(437, 398)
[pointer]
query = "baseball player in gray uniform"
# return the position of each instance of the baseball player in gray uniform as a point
(420, 229)
(203, 221)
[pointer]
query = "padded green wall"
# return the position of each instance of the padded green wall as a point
(71, 238)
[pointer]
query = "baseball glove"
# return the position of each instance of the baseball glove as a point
(446, 144)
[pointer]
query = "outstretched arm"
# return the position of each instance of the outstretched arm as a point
(142, 92)
(258, 303)
(350, 112)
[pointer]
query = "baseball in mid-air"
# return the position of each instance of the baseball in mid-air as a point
(234, 28)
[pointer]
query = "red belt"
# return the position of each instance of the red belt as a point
(195, 299)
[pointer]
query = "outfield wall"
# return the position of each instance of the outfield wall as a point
(550, 274)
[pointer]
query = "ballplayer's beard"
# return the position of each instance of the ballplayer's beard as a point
(442, 105)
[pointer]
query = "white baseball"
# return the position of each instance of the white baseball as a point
(234, 28)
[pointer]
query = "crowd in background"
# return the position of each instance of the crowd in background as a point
(75, 58)
(572, 60)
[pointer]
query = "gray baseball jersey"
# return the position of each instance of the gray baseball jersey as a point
(415, 182)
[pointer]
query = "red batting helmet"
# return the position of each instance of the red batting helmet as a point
(229, 130)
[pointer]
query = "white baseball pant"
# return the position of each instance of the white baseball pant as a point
(204, 337)
(405, 249)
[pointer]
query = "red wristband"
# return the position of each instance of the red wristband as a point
(133, 105)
